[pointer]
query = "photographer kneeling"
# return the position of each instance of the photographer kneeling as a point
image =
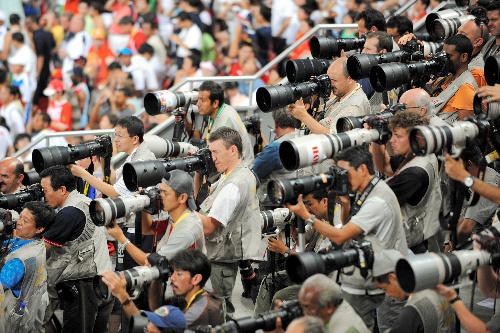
(190, 270)
(23, 275)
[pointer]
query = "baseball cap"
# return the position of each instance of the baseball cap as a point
(181, 182)
(167, 316)
(53, 87)
(125, 51)
(385, 262)
(17, 61)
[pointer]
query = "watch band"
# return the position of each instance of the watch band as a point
(454, 299)
(469, 181)
(310, 220)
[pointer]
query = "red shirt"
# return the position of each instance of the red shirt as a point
(61, 111)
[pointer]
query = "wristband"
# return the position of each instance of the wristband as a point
(122, 247)
(454, 299)
(310, 220)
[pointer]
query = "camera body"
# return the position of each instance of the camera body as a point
(16, 201)
(252, 124)
(276, 218)
(378, 121)
(7, 225)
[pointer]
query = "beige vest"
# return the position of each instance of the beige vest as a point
(346, 320)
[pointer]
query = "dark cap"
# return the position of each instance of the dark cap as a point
(181, 182)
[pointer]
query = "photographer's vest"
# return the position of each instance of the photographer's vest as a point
(240, 239)
(227, 116)
(25, 313)
(434, 311)
(422, 221)
(84, 257)
(440, 101)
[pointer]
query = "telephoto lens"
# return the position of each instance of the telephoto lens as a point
(442, 14)
(149, 173)
(491, 110)
(44, 158)
(31, 177)
(164, 101)
(360, 65)
(426, 271)
(303, 265)
(16, 201)
(163, 148)
(301, 70)
(425, 140)
(444, 28)
(273, 97)
(276, 218)
(492, 70)
(314, 148)
(105, 210)
(329, 47)
(345, 124)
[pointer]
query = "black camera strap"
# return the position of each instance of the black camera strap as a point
(362, 198)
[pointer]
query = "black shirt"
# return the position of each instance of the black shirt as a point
(410, 184)
(68, 225)
(408, 321)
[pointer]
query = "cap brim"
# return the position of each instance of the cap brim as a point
(49, 92)
(155, 319)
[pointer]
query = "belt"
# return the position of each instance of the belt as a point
(356, 291)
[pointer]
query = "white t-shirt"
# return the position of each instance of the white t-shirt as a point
(28, 57)
(192, 37)
(13, 117)
(281, 10)
(76, 47)
(143, 74)
(225, 203)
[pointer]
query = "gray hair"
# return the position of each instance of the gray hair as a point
(328, 292)
(311, 324)
(424, 101)
(284, 119)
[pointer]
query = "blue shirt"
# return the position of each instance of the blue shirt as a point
(267, 161)
(12, 272)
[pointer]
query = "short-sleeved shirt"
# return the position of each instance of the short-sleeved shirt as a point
(67, 226)
(462, 100)
(225, 203)
(484, 209)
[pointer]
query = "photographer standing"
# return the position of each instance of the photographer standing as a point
(211, 104)
(415, 181)
(350, 100)
(76, 253)
(374, 216)
(230, 213)
(23, 274)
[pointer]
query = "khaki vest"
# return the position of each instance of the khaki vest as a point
(422, 221)
(240, 239)
(33, 291)
(440, 101)
(346, 320)
(477, 62)
(434, 310)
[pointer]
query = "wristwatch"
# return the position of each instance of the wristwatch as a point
(468, 181)
(310, 220)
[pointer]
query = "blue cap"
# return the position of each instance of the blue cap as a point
(125, 51)
(167, 316)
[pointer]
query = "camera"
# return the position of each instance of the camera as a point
(303, 265)
(425, 271)
(44, 158)
(252, 124)
(31, 177)
(7, 225)
(385, 77)
(446, 14)
(16, 201)
(378, 120)
(491, 110)
(275, 218)
(425, 140)
(287, 190)
(492, 70)
(150, 173)
(328, 47)
(441, 29)
(314, 148)
(163, 148)
(104, 211)
(273, 97)
(301, 70)
(360, 65)
(164, 101)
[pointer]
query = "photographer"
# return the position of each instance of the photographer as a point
(11, 175)
(321, 297)
(418, 99)
(211, 105)
(374, 216)
(492, 46)
(398, 26)
(317, 204)
(477, 32)
(456, 91)
(190, 272)
(415, 181)
(370, 20)
(23, 274)
(349, 101)
(229, 213)
(76, 253)
(425, 311)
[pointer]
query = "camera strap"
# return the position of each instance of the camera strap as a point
(212, 121)
(362, 198)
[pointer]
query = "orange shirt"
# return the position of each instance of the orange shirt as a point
(101, 57)
(462, 100)
(478, 74)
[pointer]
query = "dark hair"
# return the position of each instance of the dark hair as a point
(407, 120)
(193, 261)
(153, 24)
(372, 18)
(59, 176)
(319, 194)
(114, 65)
(356, 156)
(126, 20)
(400, 22)
(462, 44)
(146, 48)
(14, 19)
(228, 136)
(97, 6)
(19, 169)
(45, 117)
(215, 89)
(426, 3)
(18, 37)
(126, 90)
(473, 154)
(265, 12)
(113, 118)
(184, 16)
(283, 119)
(134, 126)
(34, 18)
(493, 5)
(383, 278)
(195, 60)
(14, 91)
(20, 137)
(384, 40)
(44, 214)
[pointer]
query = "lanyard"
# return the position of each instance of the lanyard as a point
(212, 121)
(183, 216)
(359, 202)
(191, 300)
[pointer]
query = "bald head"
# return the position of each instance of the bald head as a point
(477, 34)
(11, 175)
(305, 324)
(341, 82)
(417, 99)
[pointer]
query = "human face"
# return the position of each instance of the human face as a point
(371, 46)
(205, 106)
(54, 198)
(26, 225)
(455, 58)
(308, 300)
(316, 207)
(338, 80)
(362, 27)
(355, 176)
(123, 141)
(169, 198)
(182, 282)
(38, 123)
(392, 288)
(9, 181)
(393, 32)
(494, 22)
(245, 54)
(223, 157)
(400, 141)
(4, 95)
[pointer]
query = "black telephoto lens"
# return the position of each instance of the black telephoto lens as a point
(328, 47)
(492, 70)
(31, 177)
(301, 70)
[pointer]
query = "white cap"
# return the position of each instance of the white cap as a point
(17, 61)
